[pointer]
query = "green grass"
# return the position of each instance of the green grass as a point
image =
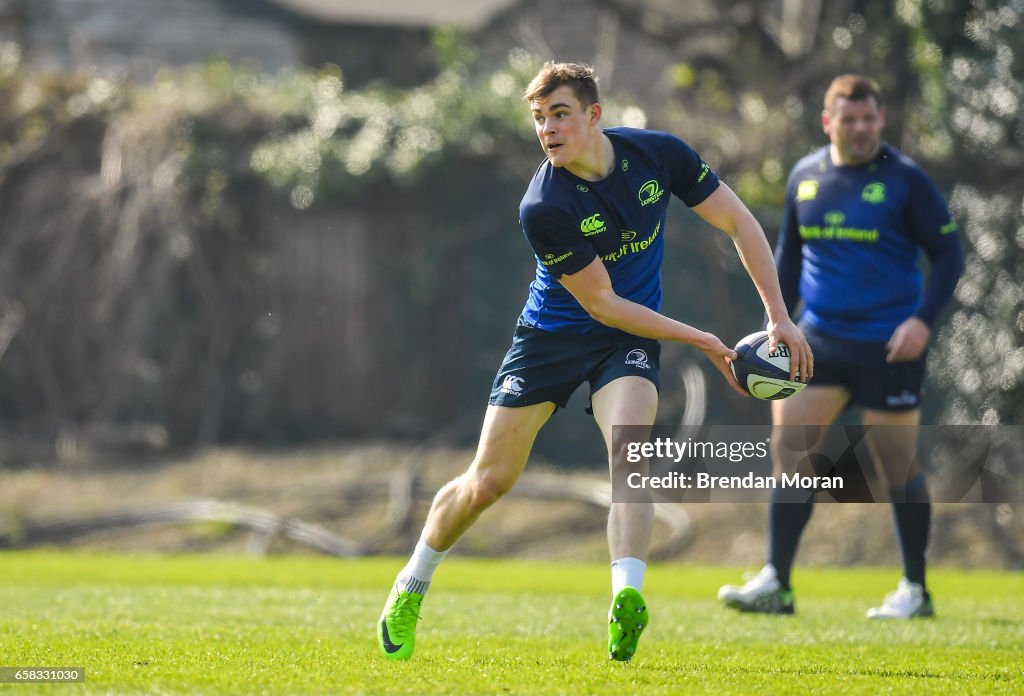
(234, 625)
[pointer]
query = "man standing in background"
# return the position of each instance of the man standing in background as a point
(857, 215)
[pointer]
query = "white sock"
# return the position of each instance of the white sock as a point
(417, 573)
(627, 572)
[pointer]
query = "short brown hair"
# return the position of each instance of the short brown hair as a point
(853, 88)
(581, 78)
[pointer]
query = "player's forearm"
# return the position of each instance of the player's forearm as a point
(757, 259)
(947, 266)
(726, 211)
(633, 318)
(789, 258)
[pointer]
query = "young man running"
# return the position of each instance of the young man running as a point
(594, 215)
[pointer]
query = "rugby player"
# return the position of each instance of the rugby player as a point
(858, 213)
(594, 215)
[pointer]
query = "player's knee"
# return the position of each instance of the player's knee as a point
(790, 446)
(896, 472)
(895, 455)
(485, 489)
(624, 459)
(783, 461)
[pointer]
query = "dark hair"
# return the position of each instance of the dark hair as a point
(580, 78)
(853, 88)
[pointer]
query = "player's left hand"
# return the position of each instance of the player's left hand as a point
(801, 359)
(908, 341)
(720, 356)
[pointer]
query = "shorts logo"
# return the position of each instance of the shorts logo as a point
(637, 358)
(903, 399)
(592, 225)
(512, 385)
(651, 192)
(874, 192)
(807, 190)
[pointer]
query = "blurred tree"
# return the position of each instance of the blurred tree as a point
(978, 92)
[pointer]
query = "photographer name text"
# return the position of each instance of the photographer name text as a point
(705, 481)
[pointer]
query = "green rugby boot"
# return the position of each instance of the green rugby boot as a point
(627, 619)
(396, 630)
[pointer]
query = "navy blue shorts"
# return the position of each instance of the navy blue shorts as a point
(860, 366)
(544, 366)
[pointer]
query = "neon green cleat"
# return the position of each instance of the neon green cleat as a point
(627, 619)
(396, 630)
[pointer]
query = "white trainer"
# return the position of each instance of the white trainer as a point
(909, 601)
(762, 594)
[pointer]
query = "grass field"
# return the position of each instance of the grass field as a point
(235, 625)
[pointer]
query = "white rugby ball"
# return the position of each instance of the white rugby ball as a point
(762, 373)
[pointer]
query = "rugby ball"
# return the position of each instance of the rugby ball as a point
(763, 373)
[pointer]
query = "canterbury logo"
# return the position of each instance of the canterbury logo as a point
(512, 385)
(807, 190)
(592, 225)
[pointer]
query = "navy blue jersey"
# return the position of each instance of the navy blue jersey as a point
(569, 222)
(851, 240)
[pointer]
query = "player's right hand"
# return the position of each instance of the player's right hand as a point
(801, 358)
(721, 356)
